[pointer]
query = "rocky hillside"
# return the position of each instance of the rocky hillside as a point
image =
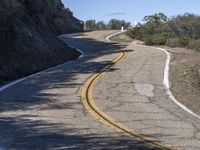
(28, 36)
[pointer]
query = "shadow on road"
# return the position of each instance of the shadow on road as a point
(32, 135)
(33, 94)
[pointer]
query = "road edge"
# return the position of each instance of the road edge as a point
(166, 80)
(167, 84)
(4, 87)
(90, 106)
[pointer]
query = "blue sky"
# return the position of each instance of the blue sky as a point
(129, 10)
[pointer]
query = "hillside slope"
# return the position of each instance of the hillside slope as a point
(28, 36)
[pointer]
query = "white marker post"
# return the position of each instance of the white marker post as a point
(135, 24)
(122, 28)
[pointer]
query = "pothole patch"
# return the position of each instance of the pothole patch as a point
(145, 89)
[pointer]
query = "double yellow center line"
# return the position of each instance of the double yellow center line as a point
(89, 104)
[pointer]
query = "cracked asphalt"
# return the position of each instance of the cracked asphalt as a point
(46, 111)
(135, 96)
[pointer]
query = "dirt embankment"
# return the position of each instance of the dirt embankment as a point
(185, 77)
(28, 36)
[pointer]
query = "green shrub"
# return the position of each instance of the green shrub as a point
(175, 42)
(184, 42)
(179, 31)
(134, 33)
(166, 34)
(195, 44)
(172, 42)
(156, 40)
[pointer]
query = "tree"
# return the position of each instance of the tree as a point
(186, 26)
(101, 25)
(181, 30)
(156, 18)
(90, 24)
(115, 24)
(154, 23)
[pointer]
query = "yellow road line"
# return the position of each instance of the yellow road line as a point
(89, 104)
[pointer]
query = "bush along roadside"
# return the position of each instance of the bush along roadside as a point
(179, 31)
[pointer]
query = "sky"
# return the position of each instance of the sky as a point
(129, 10)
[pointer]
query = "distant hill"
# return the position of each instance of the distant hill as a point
(28, 36)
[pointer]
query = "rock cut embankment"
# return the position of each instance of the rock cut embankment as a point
(28, 36)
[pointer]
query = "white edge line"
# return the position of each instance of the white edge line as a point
(2, 88)
(165, 80)
(167, 85)
(81, 52)
(108, 37)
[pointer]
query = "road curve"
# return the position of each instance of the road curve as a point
(46, 111)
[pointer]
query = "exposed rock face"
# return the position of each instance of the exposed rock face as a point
(28, 36)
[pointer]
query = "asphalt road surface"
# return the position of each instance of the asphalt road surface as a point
(110, 98)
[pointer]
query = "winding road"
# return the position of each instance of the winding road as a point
(112, 97)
